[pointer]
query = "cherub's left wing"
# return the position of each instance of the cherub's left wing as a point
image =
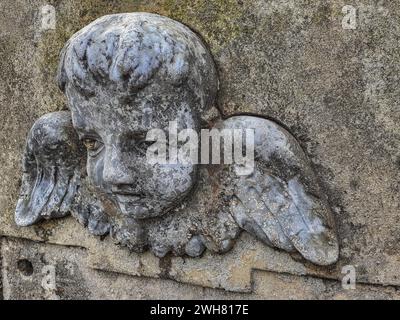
(51, 169)
(280, 201)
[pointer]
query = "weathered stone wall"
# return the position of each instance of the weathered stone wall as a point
(334, 88)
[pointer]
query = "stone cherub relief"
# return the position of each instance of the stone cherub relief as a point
(123, 75)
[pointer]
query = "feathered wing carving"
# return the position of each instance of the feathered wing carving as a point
(280, 202)
(51, 170)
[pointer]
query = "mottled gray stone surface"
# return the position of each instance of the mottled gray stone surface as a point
(335, 89)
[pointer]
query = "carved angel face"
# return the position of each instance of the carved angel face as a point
(124, 75)
(114, 133)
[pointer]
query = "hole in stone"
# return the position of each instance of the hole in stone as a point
(25, 266)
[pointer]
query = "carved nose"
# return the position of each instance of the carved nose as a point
(116, 170)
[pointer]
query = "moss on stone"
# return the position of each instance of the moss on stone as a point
(216, 20)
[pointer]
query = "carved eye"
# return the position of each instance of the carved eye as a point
(92, 145)
(89, 143)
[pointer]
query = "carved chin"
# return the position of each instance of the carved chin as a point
(136, 211)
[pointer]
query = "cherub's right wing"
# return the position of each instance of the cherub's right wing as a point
(51, 170)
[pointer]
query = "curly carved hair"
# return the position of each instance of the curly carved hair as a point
(127, 52)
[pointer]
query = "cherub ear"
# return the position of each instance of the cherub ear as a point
(51, 169)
